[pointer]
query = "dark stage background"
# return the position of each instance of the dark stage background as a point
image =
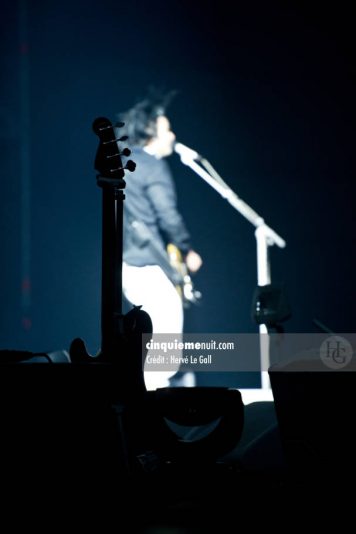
(266, 93)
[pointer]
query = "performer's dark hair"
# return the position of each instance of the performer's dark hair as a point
(140, 120)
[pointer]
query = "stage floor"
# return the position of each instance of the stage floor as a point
(256, 395)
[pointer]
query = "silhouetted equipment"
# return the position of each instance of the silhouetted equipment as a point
(316, 414)
(26, 356)
(260, 447)
(59, 432)
(270, 305)
(218, 411)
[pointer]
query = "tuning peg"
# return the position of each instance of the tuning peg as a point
(119, 124)
(100, 124)
(123, 138)
(126, 152)
(130, 165)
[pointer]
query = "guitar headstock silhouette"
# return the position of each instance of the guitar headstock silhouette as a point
(121, 334)
(108, 160)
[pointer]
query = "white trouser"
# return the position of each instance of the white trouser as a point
(149, 287)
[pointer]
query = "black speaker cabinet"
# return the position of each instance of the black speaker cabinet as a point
(316, 416)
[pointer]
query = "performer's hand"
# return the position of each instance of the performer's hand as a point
(193, 261)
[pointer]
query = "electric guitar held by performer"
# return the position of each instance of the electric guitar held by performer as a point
(185, 287)
(170, 260)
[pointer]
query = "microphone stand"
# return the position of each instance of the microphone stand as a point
(265, 237)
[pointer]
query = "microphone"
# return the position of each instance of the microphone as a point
(186, 154)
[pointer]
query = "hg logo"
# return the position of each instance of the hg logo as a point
(336, 352)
